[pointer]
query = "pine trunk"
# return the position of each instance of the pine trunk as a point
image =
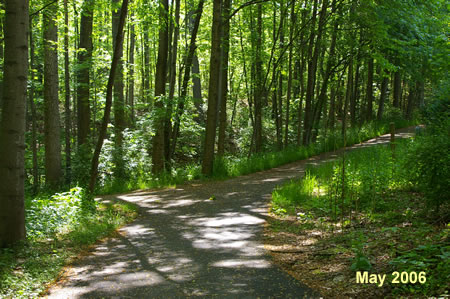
(52, 126)
(12, 126)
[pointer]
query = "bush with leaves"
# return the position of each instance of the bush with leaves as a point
(428, 159)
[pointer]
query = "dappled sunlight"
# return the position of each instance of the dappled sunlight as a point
(178, 203)
(226, 219)
(242, 263)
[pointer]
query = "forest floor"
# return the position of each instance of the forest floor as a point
(198, 239)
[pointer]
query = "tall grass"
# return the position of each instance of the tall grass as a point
(226, 167)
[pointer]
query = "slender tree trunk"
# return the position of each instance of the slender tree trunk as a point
(223, 96)
(51, 100)
(321, 102)
(355, 95)
(289, 85)
(160, 88)
(348, 95)
(213, 92)
(12, 126)
(302, 79)
(109, 96)
(131, 75)
(397, 89)
(411, 101)
(370, 69)
(259, 82)
(187, 71)
(172, 81)
(383, 96)
(119, 99)
(67, 114)
(311, 76)
(84, 66)
(197, 91)
(33, 114)
(146, 74)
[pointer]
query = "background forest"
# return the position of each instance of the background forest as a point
(277, 73)
(125, 95)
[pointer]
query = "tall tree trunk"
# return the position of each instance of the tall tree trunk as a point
(213, 91)
(411, 101)
(197, 91)
(397, 89)
(32, 107)
(12, 126)
(370, 69)
(311, 76)
(383, 96)
(51, 100)
(67, 114)
(146, 66)
(223, 95)
(348, 95)
(187, 71)
(109, 96)
(160, 88)
(289, 85)
(84, 66)
(131, 75)
(259, 82)
(355, 95)
(321, 102)
(118, 102)
(302, 78)
(172, 81)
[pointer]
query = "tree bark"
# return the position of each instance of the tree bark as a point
(223, 95)
(289, 85)
(187, 71)
(67, 114)
(84, 66)
(397, 89)
(259, 82)
(383, 96)
(109, 96)
(172, 81)
(52, 138)
(348, 95)
(131, 75)
(312, 64)
(213, 91)
(12, 126)
(160, 88)
(119, 99)
(370, 69)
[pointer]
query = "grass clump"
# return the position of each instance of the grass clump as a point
(372, 203)
(58, 228)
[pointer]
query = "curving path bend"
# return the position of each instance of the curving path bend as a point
(185, 245)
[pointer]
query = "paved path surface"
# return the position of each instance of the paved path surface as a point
(185, 245)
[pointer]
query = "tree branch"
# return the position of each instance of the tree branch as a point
(41, 9)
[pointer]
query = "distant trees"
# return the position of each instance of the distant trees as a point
(278, 73)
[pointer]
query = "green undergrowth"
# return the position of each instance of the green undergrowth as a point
(59, 227)
(233, 166)
(236, 166)
(371, 204)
